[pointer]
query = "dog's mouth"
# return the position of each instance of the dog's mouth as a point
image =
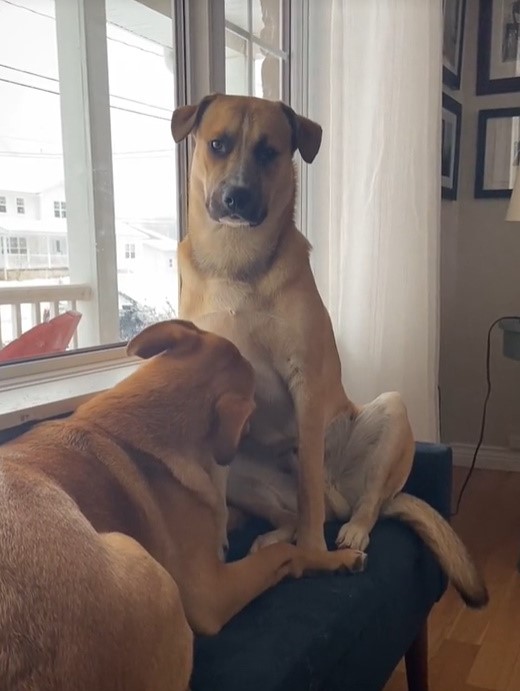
(236, 221)
(221, 210)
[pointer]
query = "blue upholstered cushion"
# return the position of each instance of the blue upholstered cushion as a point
(334, 632)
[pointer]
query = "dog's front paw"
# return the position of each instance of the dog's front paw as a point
(314, 543)
(285, 534)
(311, 538)
(354, 536)
(352, 560)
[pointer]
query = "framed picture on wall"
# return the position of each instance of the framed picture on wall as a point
(498, 62)
(450, 146)
(453, 36)
(498, 152)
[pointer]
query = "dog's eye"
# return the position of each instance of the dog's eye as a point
(266, 154)
(218, 146)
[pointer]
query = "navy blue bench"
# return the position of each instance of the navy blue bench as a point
(340, 632)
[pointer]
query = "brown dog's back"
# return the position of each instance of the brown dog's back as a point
(62, 452)
(51, 564)
(70, 597)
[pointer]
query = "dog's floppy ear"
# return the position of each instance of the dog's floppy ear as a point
(232, 415)
(187, 118)
(306, 134)
(176, 334)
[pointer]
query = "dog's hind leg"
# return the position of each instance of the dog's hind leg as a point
(146, 630)
(266, 491)
(368, 460)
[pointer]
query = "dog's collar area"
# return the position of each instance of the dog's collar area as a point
(147, 461)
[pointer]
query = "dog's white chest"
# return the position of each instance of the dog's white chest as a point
(252, 332)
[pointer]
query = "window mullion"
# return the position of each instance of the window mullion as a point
(298, 94)
(205, 47)
(87, 154)
(201, 70)
(250, 54)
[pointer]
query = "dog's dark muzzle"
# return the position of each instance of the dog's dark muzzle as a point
(237, 205)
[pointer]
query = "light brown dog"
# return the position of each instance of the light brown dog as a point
(246, 275)
(109, 526)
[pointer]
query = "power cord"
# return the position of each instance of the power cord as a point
(484, 413)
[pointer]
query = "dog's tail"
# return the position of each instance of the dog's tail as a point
(447, 547)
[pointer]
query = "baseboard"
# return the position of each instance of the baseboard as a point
(489, 457)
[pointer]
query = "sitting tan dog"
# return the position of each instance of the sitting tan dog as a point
(246, 275)
(109, 526)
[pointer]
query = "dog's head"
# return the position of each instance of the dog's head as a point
(197, 384)
(243, 155)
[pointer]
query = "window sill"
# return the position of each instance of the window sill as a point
(30, 399)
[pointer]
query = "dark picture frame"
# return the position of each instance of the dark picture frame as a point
(498, 152)
(450, 146)
(498, 47)
(454, 12)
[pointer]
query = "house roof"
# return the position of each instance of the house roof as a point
(141, 231)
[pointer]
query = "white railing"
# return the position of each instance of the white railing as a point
(22, 307)
(33, 260)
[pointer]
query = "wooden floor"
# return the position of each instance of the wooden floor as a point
(480, 651)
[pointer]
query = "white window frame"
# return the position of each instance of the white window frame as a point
(20, 205)
(284, 54)
(299, 96)
(42, 388)
(3, 205)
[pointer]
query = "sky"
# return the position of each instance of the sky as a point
(141, 84)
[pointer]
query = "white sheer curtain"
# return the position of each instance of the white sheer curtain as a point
(374, 193)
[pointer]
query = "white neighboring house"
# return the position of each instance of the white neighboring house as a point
(33, 240)
(33, 244)
(34, 250)
(147, 262)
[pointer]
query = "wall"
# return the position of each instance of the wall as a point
(480, 279)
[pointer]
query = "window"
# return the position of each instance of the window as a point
(257, 48)
(129, 251)
(60, 210)
(112, 255)
(15, 245)
(139, 44)
(3, 205)
(119, 178)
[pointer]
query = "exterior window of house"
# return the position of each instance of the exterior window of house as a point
(20, 205)
(60, 210)
(3, 205)
(58, 246)
(129, 250)
(16, 245)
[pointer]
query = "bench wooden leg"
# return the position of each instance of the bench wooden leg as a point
(416, 660)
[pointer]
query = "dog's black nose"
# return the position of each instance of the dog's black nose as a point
(238, 200)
